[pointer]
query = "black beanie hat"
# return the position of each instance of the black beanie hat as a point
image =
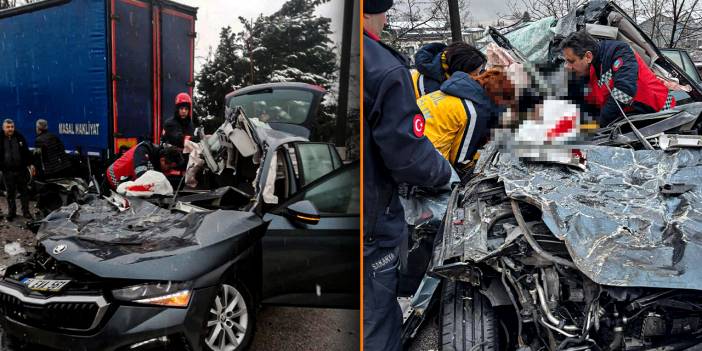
(376, 6)
(463, 57)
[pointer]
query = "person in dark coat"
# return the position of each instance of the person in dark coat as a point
(436, 62)
(52, 156)
(395, 152)
(180, 127)
(16, 168)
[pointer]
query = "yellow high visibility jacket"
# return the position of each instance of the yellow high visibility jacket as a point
(415, 82)
(458, 118)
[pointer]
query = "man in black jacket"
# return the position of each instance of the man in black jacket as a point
(395, 151)
(16, 168)
(54, 162)
(179, 128)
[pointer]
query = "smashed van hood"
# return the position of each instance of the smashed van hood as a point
(146, 241)
(620, 227)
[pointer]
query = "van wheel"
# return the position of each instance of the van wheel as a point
(468, 321)
(230, 321)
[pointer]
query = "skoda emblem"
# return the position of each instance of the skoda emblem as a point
(59, 249)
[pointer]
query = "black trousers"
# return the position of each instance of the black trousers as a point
(16, 181)
(382, 316)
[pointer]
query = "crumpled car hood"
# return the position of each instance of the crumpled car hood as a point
(146, 241)
(618, 225)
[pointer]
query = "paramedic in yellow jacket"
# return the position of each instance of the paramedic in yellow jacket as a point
(436, 62)
(460, 115)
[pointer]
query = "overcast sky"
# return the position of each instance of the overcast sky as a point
(485, 11)
(212, 15)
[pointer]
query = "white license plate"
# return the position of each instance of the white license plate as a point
(46, 284)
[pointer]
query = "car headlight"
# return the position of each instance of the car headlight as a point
(172, 294)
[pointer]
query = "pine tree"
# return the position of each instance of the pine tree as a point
(224, 71)
(291, 45)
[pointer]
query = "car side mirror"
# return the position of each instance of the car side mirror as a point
(303, 211)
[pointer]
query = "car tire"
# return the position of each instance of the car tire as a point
(236, 324)
(468, 321)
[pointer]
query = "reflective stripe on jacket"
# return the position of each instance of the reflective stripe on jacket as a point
(136, 161)
(619, 69)
(458, 118)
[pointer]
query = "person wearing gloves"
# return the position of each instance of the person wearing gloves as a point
(16, 169)
(436, 62)
(141, 158)
(461, 114)
(395, 152)
(180, 127)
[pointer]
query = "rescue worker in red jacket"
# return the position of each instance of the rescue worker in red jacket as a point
(180, 127)
(614, 72)
(141, 158)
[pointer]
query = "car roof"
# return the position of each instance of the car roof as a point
(281, 85)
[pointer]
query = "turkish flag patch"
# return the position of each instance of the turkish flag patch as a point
(418, 125)
(617, 64)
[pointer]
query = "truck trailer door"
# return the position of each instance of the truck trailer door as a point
(177, 52)
(132, 62)
(152, 54)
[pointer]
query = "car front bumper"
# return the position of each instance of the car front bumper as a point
(123, 327)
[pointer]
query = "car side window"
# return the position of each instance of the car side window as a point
(337, 195)
(315, 160)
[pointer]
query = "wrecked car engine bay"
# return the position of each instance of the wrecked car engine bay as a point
(604, 257)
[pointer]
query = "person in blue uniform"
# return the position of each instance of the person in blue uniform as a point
(395, 152)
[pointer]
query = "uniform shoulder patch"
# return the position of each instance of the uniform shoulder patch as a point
(418, 125)
(617, 64)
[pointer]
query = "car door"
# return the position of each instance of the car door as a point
(315, 264)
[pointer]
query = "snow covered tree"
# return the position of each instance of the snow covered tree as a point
(290, 45)
(295, 45)
(225, 70)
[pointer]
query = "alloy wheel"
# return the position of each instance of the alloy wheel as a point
(227, 320)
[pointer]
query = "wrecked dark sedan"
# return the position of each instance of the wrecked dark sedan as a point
(188, 271)
(598, 250)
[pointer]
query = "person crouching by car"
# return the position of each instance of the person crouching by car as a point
(141, 158)
(460, 115)
(53, 161)
(16, 168)
(616, 75)
(180, 127)
(436, 62)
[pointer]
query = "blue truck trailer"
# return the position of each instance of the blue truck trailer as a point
(104, 73)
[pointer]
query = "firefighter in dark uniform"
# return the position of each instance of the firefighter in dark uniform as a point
(141, 158)
(395, 151)
(614, 71)
(179, 128)
(436, 62)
